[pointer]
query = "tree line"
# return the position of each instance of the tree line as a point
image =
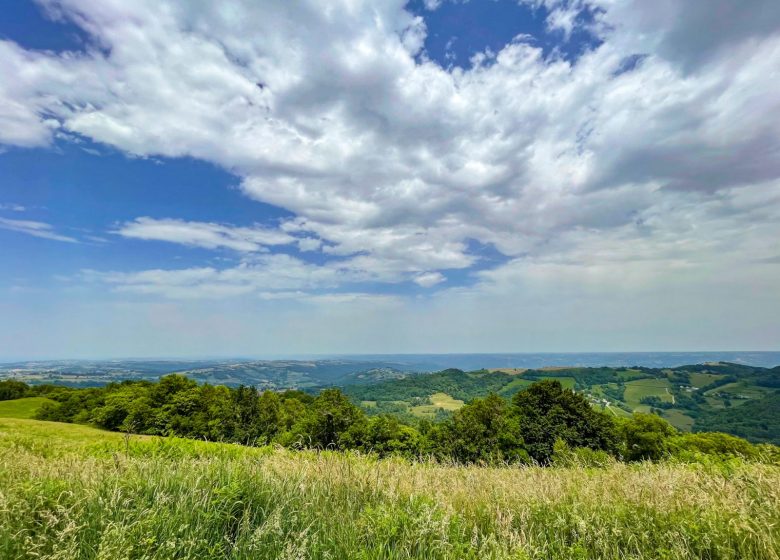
(540, 424)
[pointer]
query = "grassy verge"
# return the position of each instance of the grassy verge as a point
(74, 492)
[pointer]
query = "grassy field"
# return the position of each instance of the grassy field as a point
(678, 419)
(509, 371)
(21, 408)
(703, 379)
(438, 400)
(73, 492)
(636, 390)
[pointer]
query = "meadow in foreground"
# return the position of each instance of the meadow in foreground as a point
(71, 491)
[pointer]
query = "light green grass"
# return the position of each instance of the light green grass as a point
(515, 385)
(163, 499)
(22, 408)
(616, 411)
(740, 388)
(368, 404)
(679, 419)
(703, 379)
(438, 400)
(636, 390)
(738, 393)
(567, 382)
(629, 374)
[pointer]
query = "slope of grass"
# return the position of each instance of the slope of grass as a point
(567, 382)
(74, 492)
(22, 408)
(678, 419)
(703, 379)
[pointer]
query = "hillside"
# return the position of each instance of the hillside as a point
(266, 374)
(756, 420)
(693, 397)
(71, 491)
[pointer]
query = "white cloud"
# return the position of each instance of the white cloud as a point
(264, 274)
(36, 229)
(429, 279)
(203, 234)
(393, 166)
(12, 207)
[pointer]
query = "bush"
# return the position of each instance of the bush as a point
(646, 437)
(12, 389)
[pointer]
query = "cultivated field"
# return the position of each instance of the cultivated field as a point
(438, 400)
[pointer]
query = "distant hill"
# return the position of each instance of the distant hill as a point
(757, 420)
(708, 395)
(721, 396)
(266, 374)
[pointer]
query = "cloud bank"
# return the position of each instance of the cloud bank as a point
(648, 166)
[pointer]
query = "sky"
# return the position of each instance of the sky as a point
(244, 178)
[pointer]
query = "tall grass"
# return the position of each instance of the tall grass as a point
(65, 497)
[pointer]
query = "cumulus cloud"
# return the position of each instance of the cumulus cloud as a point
(36, 229)
(394, 165)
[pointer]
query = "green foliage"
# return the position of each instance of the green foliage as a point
(646, 437)
(456, 383)
(330, 416)
(756, 420)
(484, 431)
(713, 443)
(548, 412)
(584, 457)
(488, 430)
(12, 389)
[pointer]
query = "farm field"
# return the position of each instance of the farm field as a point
(438, 400)
(72, 491)
(637, 390)
(678, 419)
(703, 379)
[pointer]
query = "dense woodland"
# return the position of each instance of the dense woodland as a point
(541, 423)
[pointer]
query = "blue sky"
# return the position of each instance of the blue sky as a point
(485, 175)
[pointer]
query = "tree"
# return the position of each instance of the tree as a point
(117, 406)
(646, 437)
(269, 416)
(13, 389)
(247, 413)
(713, 443)
(330, 415)
(486, 430)
(548, 412)
(383, 435)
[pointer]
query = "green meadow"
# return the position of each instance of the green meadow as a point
(70, 491)
(22, 408)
